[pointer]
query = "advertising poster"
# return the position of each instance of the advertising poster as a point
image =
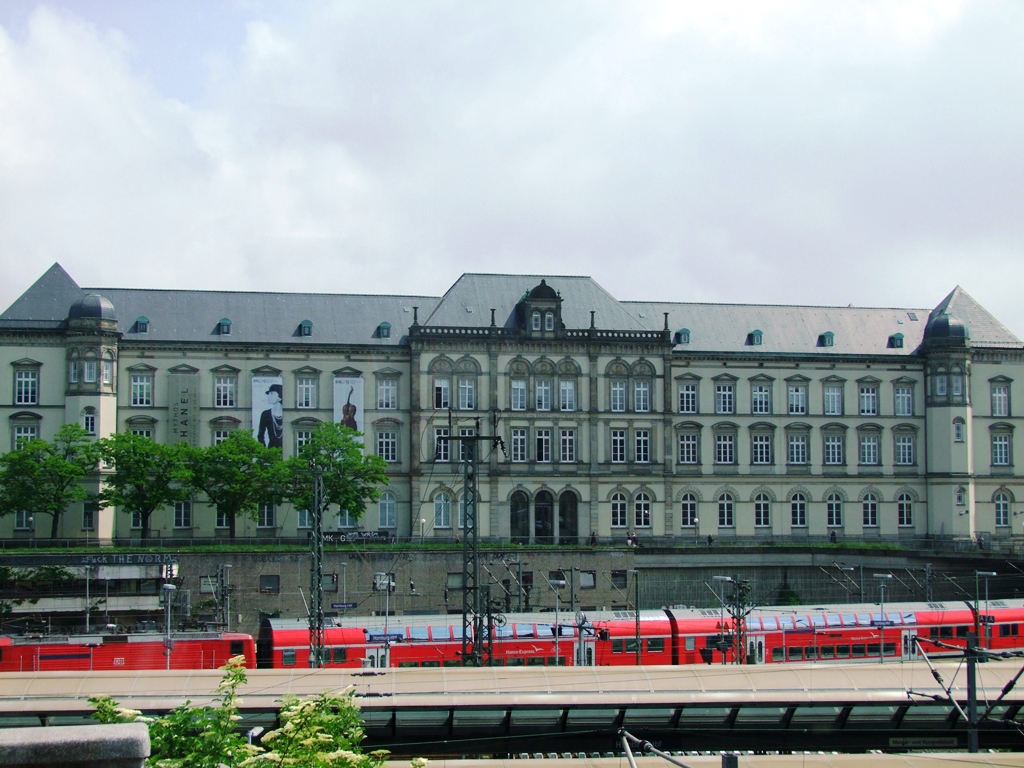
(268, 410)
(348, 403)
(183, 405)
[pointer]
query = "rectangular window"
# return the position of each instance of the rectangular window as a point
(518, 394)
(442, 393)
(387, 445)
(940, 386)
(726, 512)
(26, 387)
(543, 398)
(870, 512)
(567, 441)
(760, 399)
(833, 449)
(265, 516)
(303, 519)
(904, 401)
(618, 446)
(687, 398)
(797, 449)
(22, 520)
(143, 432)
(957, 385)
(618, 511)
(386, 513)
(108, 371)
(271, 584)
(223, 520)
(1001, 400)
(89, 509)
(224, 391)
(869, 401)
(869, 449)
(303, 437)
(305, 392)
(465, 446)
(1001, 450)
(725, 449)
(797, 399)
(89, 421)
(183, 514)
(688, 449)
(387, 394)
(905, 450)
(798, 511)
(142, 389)
(642, 443)
(958, 431)
(761, 449)
(642, 396)
(724, 402)
(90, 372)
(442, 444)
(618, 396)
(136, 520)
(467, 394)
(73, 372)
(543, 445)
(567, 395)
(833, 400)
(518, 445)
(23, 433)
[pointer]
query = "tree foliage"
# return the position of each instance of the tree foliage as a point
(350, 477)
(237, 475)
(147, 475)
(43, 478)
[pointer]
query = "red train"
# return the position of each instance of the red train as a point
(668, 636)
(146, 650)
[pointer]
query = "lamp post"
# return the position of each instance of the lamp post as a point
(168, 643)
(977, 618)
(723, 580)
(882, 583)
(556, 584)
(344, 587)
(636, 610)
(423, 525)
(696, 531)
(88, 568)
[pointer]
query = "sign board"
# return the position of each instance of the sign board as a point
(344, 606)
(886, 623)
(986, 619)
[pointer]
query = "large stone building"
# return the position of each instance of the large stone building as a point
(670, 421)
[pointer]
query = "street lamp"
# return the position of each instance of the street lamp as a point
(696, 530)
(977, 618)
(883, 579)
(556, 584)
(168, 643)
(723, 580)
(423, 525)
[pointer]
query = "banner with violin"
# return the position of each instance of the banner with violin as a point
(348, 403)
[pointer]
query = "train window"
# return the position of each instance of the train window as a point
(858, 650)
(753, 624)
(457, 633)
(785, 622)
(618, 646)
(340, 655)
(849, 620)
(818, 622)
(631, 646)
(1008, 630)
(545, 630)
(656, 645)
(961, 631)
(895, 618)
(515, 661)
(535, 661)
(810, 653)
(288, 658)
(503, 632)
(864, 619)
(833, 620)
(237, 648)
(691, 643)
(407, 664)
(873, 649)
(770, 624)
(524, 630)
(890, 649)
(778, 654)
(431, 663)
(496, 663)
(796, 653)
(441, 633)
(828, 652)
(451, 663)
(933, 633)
(842, 651)
(564, 631)
(802, 622)
(417, 633)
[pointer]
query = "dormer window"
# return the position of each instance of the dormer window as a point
(384, 330)
(754, 338)
(224, 326)
(306, 328)
(896, 341)
(683, 336)
(142, 325)
(549, 321)
(826, 339)
(536, 320)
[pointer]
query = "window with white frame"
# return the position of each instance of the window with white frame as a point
(442, 393)
(618, 440)
(224, 391)
(725, 401)
(726, 511)
(869, 450)
(868, 400)
(22, 520)
(956, 385)
(519, 438)
(386, 516)
(72, 371)
(567, 443)
(642, 396)
(1002, 504)
(1001, 450)
(387, 394)
(518, 394)
(89, 372)
(23, 433)
(442, 510)
(725, 448)
(461, 522)
(543, 395)
(465, 446)
(797, 399)
(834, 510)
(467, 393)
(183, 514)
(958, 430)
(618, 510)
(761, 449)
(89, 420)
(833, 394)
(89, 510)
(387, 445)
(305, 392)
(797, 448)
(688, 397)
(869, 510)
(549, 321)
(535, 320)
(689, 449)
(688, 511)
(345, 520)
(143, 432)
(904, 511)
(761, 399)
(142, 389)
(904, 396)
(833, 450)
(442, 444)
(904, 450)
(762, 511)
(961, 496)
(303, 519)
(542, 445)
(567, 395)
(136, 520)
(222, 519)
(618, 396)
(1001, 400)
(642, 446)
(265, 516)
(642, 511)
(303, 437)
(26, 387)
(798, 510)
(108, 371)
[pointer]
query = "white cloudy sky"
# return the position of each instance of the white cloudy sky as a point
(765, 151)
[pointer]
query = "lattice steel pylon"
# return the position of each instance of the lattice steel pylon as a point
(316, 571)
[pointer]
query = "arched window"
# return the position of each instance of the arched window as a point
(549, 321)
(869, 506)
(89, 420)
(798, 510)
(642, 511)
(904, 510)
(543, 518)
(834, 510)
(618, 510)
(688, 510)
(726, 511)
(762, 511)
(1002, 502)
(519, 518)
(536, 320)
(442, 510)
(568, 525)
(386, 510)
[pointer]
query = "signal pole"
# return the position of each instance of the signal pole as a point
(316, 571)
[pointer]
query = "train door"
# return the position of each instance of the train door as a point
(586, 651)
(377, 656)
(910, 651)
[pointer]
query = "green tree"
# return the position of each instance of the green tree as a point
(147, 475)
(351, 478)
(43, 478)
(237, 475)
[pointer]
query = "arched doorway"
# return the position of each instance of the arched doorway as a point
(568, 518)
(543, 518)
(519, 518)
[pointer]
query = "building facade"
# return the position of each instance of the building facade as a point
(602, 419)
